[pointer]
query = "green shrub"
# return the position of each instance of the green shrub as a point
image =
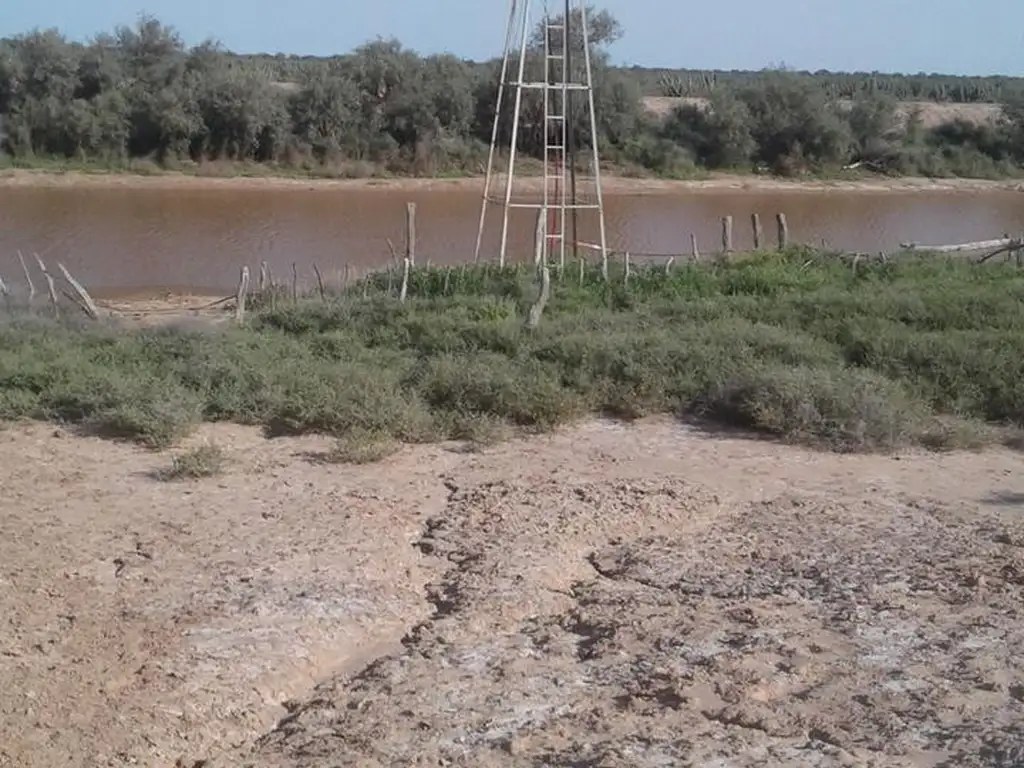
(795, 344)
(526, 393)
(206, 460)
(845, 410)
(363, 447)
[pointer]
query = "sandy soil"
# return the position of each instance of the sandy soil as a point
(612, 595)
(717, 182)
(168, 308)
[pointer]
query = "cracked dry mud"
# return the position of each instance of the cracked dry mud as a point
(608, 596)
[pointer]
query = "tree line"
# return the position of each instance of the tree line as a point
(953, 89)
(141, 92)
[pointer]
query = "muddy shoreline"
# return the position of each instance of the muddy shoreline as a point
(612, 184)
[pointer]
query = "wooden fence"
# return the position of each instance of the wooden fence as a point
(401, 264)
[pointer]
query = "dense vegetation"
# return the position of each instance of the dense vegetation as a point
(795, 344)
(139, 95)
(957, 89)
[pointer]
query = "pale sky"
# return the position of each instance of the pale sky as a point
(949, 36)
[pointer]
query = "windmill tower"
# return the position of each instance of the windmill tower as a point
(545, 101)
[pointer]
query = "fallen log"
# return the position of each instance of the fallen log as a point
(980, 245)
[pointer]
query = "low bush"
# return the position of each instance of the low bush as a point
(796, 345)
(206, 460)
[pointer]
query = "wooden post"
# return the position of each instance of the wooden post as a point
(264, 273)
(242, 294)
(625, 277)
(538, 239)
(783, 227)
(727, 234)
(295, 283)
(405, 281)
(5, 292)
(272, 288)
(410, 233)
(755, 223)
(81, 294)
(694, 253)
(669, 263)
(320, 283)
(28, 279)
(537, 309)
(49, 285)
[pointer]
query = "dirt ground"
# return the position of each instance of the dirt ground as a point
(715, 182)
(611, 595)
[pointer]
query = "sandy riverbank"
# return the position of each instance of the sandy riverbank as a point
(612, 184)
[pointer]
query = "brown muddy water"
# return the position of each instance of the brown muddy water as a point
(122, 240)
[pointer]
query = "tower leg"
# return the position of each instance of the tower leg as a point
(603, 244)
(515, 130)
(494, 129)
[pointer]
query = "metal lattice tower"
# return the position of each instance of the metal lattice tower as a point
(546, 72)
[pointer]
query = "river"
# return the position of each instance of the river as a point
(126, 239)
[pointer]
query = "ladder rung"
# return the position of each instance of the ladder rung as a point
(556, 117)
(540, 206)
(553, 86)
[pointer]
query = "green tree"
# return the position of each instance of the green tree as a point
(326, 116)
(875, 130)
(794, 126)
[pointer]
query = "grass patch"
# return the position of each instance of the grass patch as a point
(362, 447)
(917, 351)
(480, 430)
(206, 460)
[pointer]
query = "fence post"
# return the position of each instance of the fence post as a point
(410, 233)
(264, 271)
(537, 308)
(755, 222)
(28, 279)
(727, 234)
(538, 239)
(81, 294)
(406, 265)
(694, 252)
(241, 294)
(320, 283)
(783, 226)
(50, 286)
